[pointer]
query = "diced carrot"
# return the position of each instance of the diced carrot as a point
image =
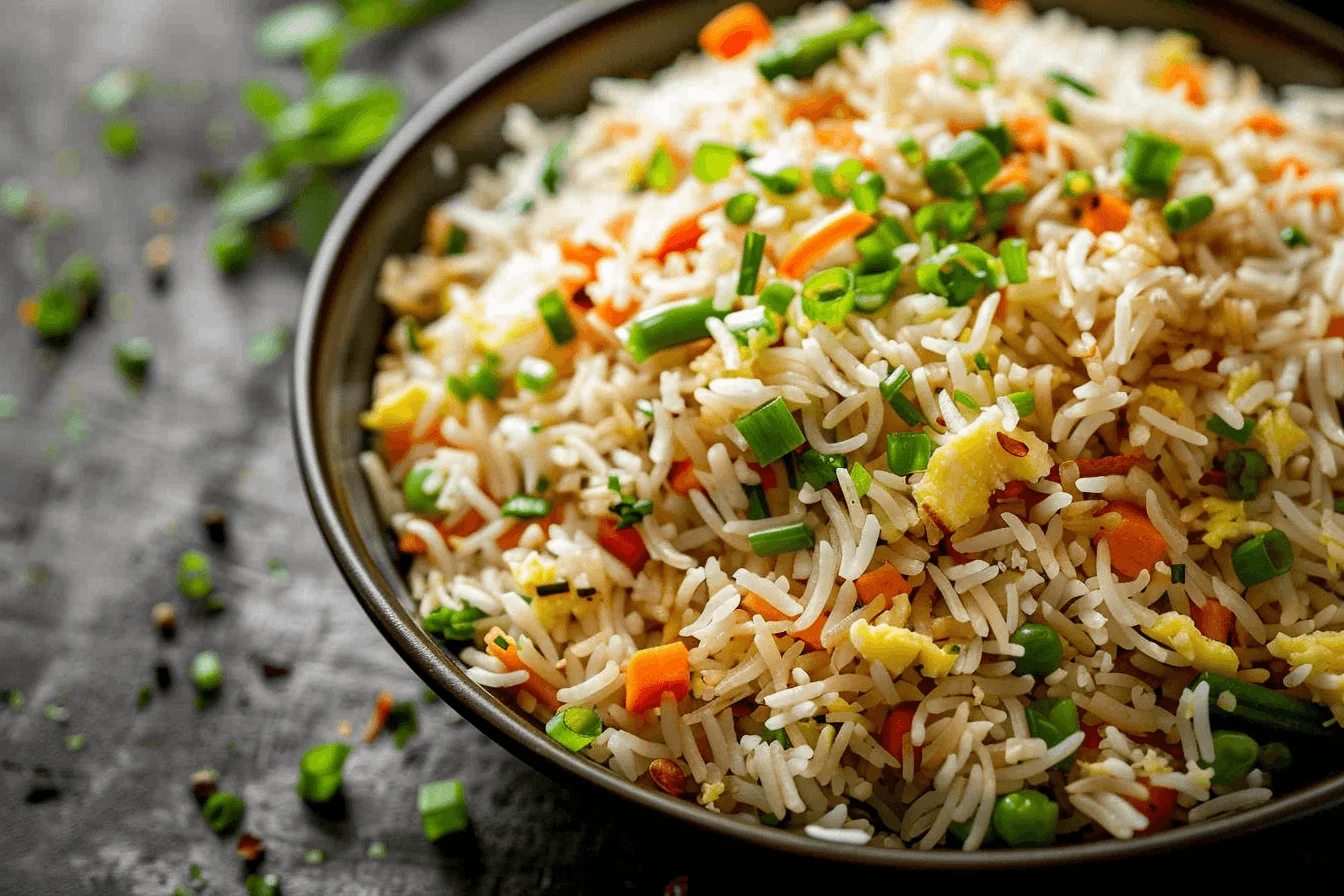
(1114, 465)
(625, 545)
(614, 317)
(510, 539)
(993, 7)
(1028, 132)
(585, 254)
(1135, 544)
(838, 134)
(1091, 735)
(811, 636)
(885, 581)
(817, 106)
(394, 443)
(1274, 172)
(470, 522)
(382, 711)
(682, 236)
(1213, 619)
(735, 29)
(1322, 195)
(27, 310)
(1104, 212)
(681, 479)
(503, 648)
(1336, 327)
(831, 232)
(653, 671)
(894, 729)
(956, 126)
(1188, 74)
(1015, 172)
(1265, 122)
(410, 543)
(768, 478)
(1158, 808)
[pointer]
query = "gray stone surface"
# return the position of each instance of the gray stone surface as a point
(89, 541)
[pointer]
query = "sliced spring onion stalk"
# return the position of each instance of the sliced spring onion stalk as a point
(550, 166)
(801, 57)
(965, 400)
(535, 374)
(835, 178)
(1262, 557)
(443, 808)
(979, 59)
(891, 391)
(998, 136)
(981, 362)
(1245, 468)
(1058, 111)
(1178, 573)
(747, 324)
(713, 162)
(1293, 237)
(875, 247)
(911, 151)
(828, 296)
(1149, 162)
(758, 504)
(770, 431)
(872, 292)
(784, 182)
(1025, 402)
(667, 326)
(320, 772)
(908, 452)
(782, 540)
(1240, 436)
(777, 296)
(661, 174)
(1013, 255)
(1065, 80)
(945, 178)
(958, 273)
(817, 469)
(574, 728)
(863, 480)
(977, 158)
(1182, 214)
(753, 250)
(867, 192)
(947, 220)
(525, 507)
(555, 315)
(741, 209)
(1262, 706)
(998, 202)
(1078, 184)
(454, 624)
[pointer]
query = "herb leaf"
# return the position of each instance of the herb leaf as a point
(295, 28)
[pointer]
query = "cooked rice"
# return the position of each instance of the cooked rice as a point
(1130, 340)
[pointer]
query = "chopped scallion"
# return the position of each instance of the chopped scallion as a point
(555, 315)
(828, 296)
(1025, 402)
(863, 480)
(550, 166)
(574, 728)
(980, 65)
(1182, 214)
(784, 182)
(800, 57)
(758, 504)
(669, 325)
(1293, 237)
(770, 431)
(835, 179)
(867, 192)
(1013, 255)
(320, 772)
(1077, 184)
(1262, 557)
(1218, 427)
(781, 540)
(535, 374)
(817, 469)
(193, 575)
(998, 136)
(525, 507)
(1178, 573)
(958, 272)
(908, 452)
(661, 174)
(454, 624)
(1067, 80)
(713, 162)
(443, 808)
(911, 151)
(777, 296)
(946, 220)
(1149, 162)
(753, 250)
(1245, 468)
(223, 811)
(981, 362)
(891, 390)
(965, 400)
(1058, 111)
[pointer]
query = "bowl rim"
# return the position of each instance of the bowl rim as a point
(527, 740)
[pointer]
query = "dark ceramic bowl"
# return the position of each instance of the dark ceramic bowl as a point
(549, 67)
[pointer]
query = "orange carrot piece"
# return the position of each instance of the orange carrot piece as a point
(1213, 619)
(653, 671)
(1274, 172)
(585, 254)
(826, 236)
(993, 7)
(1322, 195)
(410, 543)
(735, 29)
(1158, 808)
(626, 545)
(1265, 122)
(681, 479)
(503, 648)
(897, 725)
(1135, 544)
(1028, 132)
(469, 523)
(767, 474)
(1336, 327)
(1178, 73)
(510, 539)
(1104, 212)
(817, 106)
(614, 317)
(382, 711)
(1015, 172)
(681, 236)
(885, 581)
(838, 134)
(811, 636)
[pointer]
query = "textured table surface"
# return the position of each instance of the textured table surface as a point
(101, 489)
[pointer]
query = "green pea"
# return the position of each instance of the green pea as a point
(193, 575)
(418, 500)
(231, 247)
(1044, 651)
(82, 273)
(1025, 818)
(1275, 757)
(120, 138)
(1234, 755)
(207, 673)
(1052, 721)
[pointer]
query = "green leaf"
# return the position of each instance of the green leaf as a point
(251, 200)
(114, 90)
(323, 58)
(263, 99)
(14, 197)
(346, 117)
(268, 345)
(372, 15)
(313, 210)
(295, 28)
(120, 138)
(296, 121)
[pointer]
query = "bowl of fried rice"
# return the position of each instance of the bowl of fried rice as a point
(907, 435)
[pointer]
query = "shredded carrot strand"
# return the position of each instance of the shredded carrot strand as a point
(811, 636)
(505, 649)
(1104, 212)
(1265, 122)
(681, 479)
(1183, 73)
(735, 29)
(830, 233)
(1276, 171)
(382, 711)
(1322, 195)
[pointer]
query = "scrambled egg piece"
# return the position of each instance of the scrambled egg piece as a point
(1169, 399)
(896, 648)
(1227, 522)
(1241, 380)
(1281, 438)
(400, 408)
(1323, 650)
(973, 464)
(1180, 633)
(534, 570)
(709, 792)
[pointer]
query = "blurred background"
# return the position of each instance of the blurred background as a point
(137, 144)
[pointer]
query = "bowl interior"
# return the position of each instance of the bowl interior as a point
(550, 68)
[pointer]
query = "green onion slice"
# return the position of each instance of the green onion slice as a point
(800, 57)
(1293, 237)
(753, 250)
(946, 220)
(1149, 162)
(965, 400)
(784, 182)
(535, 374)
(977, 158)
(320, 772)
(713, 162)
(777, 296)
(835, 178)
(1058, 111)
(550, 166)
(1218, 427)
(770, 431)
(958, 272)
(911, 151)
(998, 136)
(1066, 80)
(574, 728)
(666, 326)
(863, 480)
(781, 540)
(758, 504)
(1182, 214)
(1013, 255)
(1025, 402)
(1262, 557)
(525, 507)
(555, 315)
(867, 192)
(828, 296)
(661, 174)
(980, 64)
(1078, 184)
(817, 469)
(908, 452)
(891, 391)
(443, 809)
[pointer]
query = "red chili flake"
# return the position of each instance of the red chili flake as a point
(668, 776)
(1013, 490)
(382, 709)
(1012, 445)
(250, 848)
(1214, 477)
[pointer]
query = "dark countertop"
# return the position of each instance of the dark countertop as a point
(91, 528)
